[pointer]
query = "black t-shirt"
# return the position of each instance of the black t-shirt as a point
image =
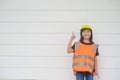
(97, 52)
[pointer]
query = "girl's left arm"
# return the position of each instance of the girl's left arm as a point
(96, 67)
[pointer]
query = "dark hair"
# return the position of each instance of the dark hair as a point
(91, 37)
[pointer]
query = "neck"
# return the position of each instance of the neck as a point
(86, 41)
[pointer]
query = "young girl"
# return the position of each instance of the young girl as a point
(85, 52)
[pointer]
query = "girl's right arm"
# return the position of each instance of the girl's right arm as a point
(69, 49)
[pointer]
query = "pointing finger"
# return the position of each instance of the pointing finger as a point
(72, 32)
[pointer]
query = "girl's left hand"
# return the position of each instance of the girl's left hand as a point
(74, 73)
(96, 74)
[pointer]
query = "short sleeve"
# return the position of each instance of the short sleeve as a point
(73, 47)
(97, 52)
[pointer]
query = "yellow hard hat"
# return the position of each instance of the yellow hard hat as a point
(86, 27)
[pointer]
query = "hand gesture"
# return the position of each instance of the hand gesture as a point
(73, 36)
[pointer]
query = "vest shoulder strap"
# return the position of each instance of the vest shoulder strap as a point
(96, 47)
(77, 45)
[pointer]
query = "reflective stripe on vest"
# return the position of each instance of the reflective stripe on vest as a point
(95, 47)
(83, 64)
(83, 56)
(77, 45)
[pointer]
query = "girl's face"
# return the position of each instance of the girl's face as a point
(86, 34)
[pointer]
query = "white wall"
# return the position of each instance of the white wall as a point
(34, 35)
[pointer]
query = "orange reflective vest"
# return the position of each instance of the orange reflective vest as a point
(84, 57)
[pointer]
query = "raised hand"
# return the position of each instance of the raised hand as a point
(73, 36)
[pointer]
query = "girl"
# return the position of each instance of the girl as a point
(85, 52)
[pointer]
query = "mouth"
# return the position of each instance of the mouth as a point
(87, 36)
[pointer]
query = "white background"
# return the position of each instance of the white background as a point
(34, 36)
